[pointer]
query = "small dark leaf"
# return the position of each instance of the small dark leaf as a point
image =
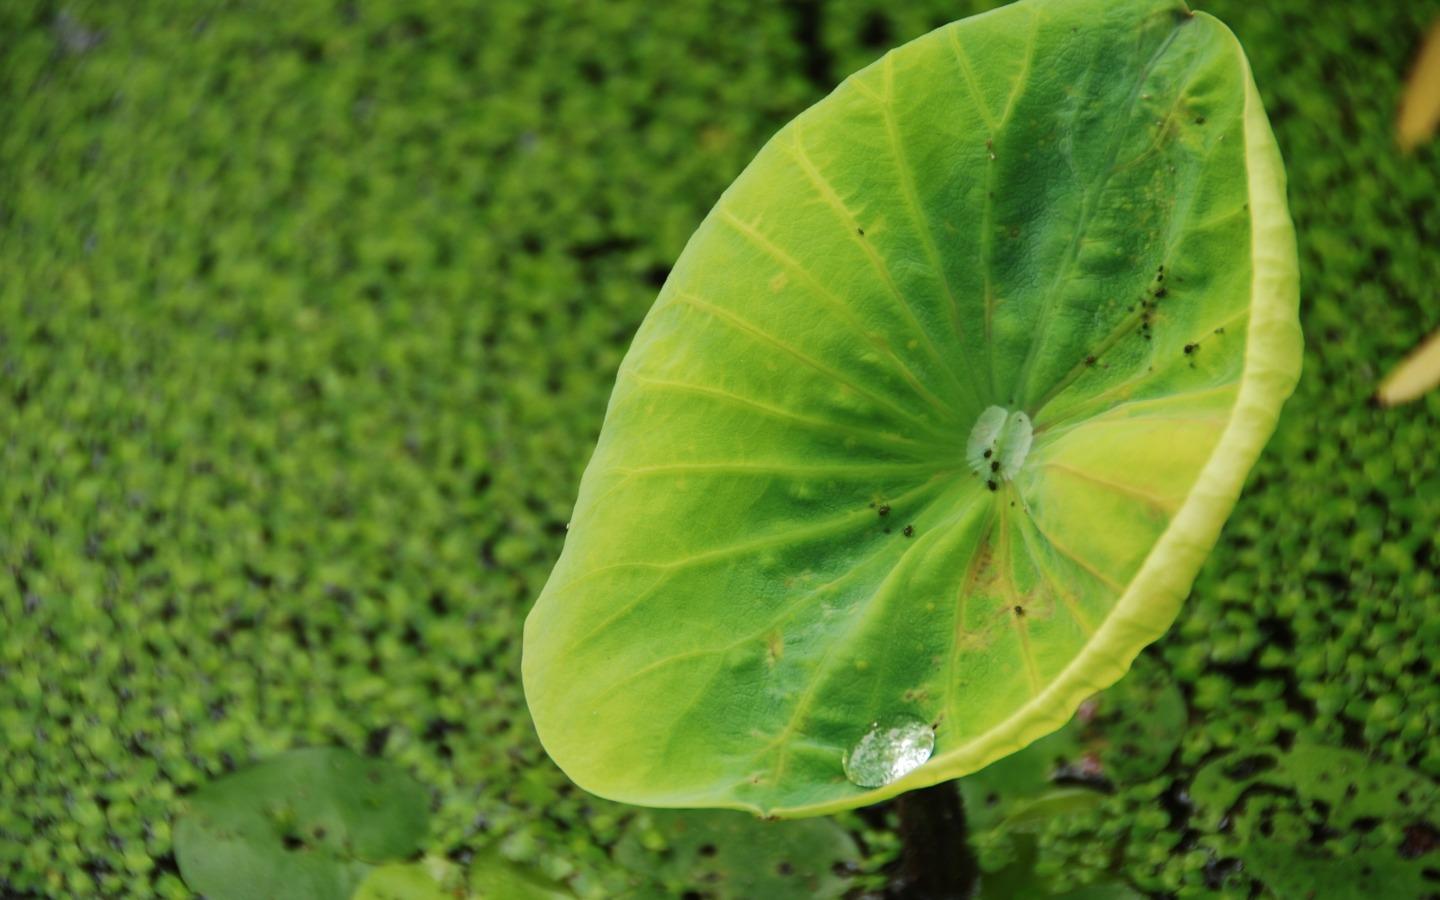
(730, 854)
(307, 824)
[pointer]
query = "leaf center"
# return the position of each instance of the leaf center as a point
(999, 443)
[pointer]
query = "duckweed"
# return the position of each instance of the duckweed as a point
(307, 326)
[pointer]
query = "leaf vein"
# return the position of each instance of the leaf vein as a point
(851, 224)
(750, 329)
(924, 224)
(771, 249)
(1088, 206)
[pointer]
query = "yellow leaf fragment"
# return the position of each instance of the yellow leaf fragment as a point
(1420, 105)
(1418, 373)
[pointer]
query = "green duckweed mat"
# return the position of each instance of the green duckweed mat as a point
(308, 318)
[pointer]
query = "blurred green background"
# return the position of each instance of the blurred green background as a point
(308, 317)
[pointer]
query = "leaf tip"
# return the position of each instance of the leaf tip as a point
(1415, 376)
(1419, 114)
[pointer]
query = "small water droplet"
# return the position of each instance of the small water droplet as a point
(891, 749)
(998, 444)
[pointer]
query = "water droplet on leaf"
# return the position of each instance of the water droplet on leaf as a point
(891, 749)
(999, 443)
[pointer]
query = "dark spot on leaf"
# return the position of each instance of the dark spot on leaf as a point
(1216, 871)
(784, 868)
(884, 509)
(995, 465)
(860, 231)
(992, 485)
(909, 530)
(292, 843)
(707, 849)
(1190, 348)
(989, 453)
(1019, 610)
(375, 740)
(1420, 839)
(1249, 767)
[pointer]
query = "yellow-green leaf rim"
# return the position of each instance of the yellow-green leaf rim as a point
(934, 421)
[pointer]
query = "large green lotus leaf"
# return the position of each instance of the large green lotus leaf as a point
(933, 422)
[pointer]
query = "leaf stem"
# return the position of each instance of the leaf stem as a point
(936, 862)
